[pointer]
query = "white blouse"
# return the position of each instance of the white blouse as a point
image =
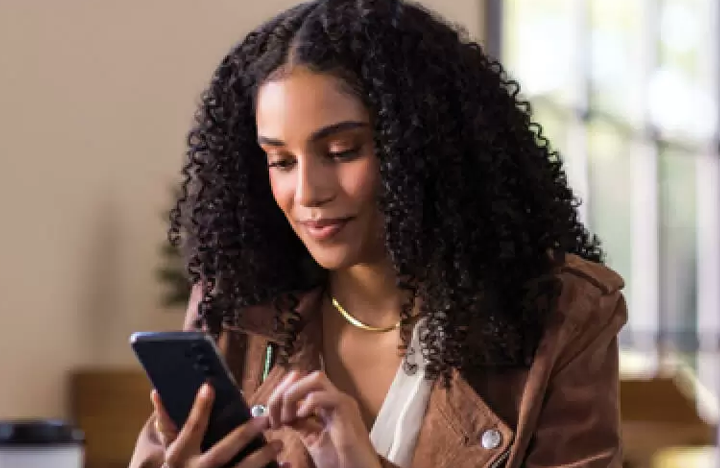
(397, 426)
(396, 429)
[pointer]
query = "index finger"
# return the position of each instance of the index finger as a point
(275, 402)
(300, 390)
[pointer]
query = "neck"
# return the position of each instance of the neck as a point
(369, 293)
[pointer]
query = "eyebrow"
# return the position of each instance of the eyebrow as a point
(318, 134)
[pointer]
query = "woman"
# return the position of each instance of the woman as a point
(370, 213)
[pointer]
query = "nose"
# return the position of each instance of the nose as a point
(314, 186)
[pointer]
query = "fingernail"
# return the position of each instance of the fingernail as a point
(285, 465)
(205, 391)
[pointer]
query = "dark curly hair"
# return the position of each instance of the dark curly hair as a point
(478, 213)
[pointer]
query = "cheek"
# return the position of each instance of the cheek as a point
(283, 190)
(362, 183)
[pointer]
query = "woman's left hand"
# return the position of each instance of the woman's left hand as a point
(328, 421)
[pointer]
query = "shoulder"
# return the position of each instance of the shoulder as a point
(591, 274)
(590, 309)
(591, 292)
(253, 320)
(260, 319)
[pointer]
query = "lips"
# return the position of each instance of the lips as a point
(324, 229)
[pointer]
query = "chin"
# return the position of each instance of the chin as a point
(333, 264)
(333, 259)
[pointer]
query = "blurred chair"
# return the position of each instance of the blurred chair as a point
(659, 414)
(111, 406)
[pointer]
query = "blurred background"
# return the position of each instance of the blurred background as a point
(95, 101)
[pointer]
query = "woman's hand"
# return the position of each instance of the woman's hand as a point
(182, 448)
(328, 421)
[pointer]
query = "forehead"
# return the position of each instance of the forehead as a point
(302, 102)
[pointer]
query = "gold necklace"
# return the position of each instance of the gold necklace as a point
(358, 323)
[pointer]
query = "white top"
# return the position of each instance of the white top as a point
(396, 429)
(397, 426)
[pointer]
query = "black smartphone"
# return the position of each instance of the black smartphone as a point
(177, 364)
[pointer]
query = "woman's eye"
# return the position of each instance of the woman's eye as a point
(282, 164)
(344, 155)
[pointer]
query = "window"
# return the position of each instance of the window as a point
(627, 91)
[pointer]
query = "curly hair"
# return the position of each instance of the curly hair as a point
(477, 209)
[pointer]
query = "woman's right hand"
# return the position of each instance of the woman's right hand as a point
(182, 448)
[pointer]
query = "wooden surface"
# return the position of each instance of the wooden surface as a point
(110, 406)
(659, 399)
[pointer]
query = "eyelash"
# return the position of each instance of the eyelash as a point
(282, 165)
(347, 154)
(286, 164)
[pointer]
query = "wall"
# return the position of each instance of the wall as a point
(95, 100)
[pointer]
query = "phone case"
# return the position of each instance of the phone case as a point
(177, 364)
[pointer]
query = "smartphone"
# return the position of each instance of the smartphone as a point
(177, 364)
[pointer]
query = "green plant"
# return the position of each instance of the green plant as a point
(172, 275)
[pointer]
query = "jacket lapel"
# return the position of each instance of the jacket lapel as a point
(460, 430)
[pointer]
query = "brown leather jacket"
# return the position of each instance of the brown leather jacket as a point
(562, 412)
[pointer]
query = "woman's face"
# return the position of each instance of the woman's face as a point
(322, 166)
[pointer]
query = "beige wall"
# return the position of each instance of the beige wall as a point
(95, 99)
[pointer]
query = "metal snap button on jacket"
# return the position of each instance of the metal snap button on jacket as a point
(257, 411)
(491, 439)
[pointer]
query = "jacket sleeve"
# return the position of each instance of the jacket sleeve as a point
(579, 421)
